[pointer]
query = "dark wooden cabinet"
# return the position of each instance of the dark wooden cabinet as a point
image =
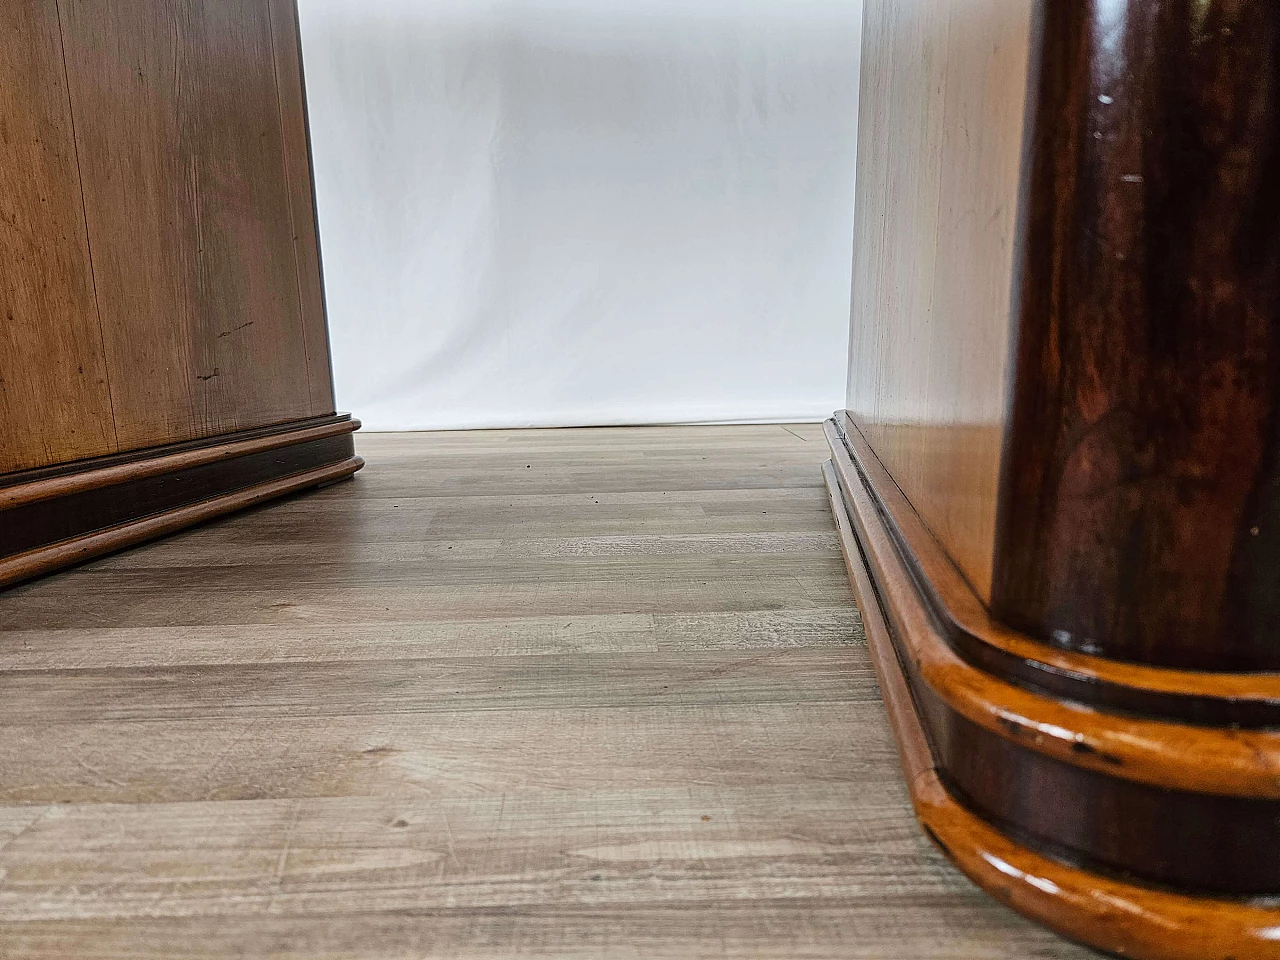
(163, 350)
(1057, 478)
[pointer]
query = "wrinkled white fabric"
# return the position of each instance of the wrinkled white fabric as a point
(562, 212)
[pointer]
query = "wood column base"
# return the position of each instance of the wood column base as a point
(1142, 835)
(60, 516)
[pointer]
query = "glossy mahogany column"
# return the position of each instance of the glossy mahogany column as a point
(1140, 501)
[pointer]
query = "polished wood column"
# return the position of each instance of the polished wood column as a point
(1074, 591)
(1140, 509)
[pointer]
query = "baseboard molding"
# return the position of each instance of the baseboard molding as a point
(1141, 835)
(56, 517)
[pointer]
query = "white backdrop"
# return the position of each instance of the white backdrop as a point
(556, 212)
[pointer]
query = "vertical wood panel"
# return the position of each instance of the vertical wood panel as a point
(54, 396)
(188, 214)
(306, 238)
(941, 131)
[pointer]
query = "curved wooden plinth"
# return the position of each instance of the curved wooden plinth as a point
(58, 517)
(1142, 835)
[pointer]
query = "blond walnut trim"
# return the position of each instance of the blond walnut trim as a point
(47, 489)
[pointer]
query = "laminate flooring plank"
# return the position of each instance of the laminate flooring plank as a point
(342, 532)
(284, 604)
(867, 926)
(482, 573)
(141, 647)
(215, 553)
(501, 852)
(560, 751)
(433, 686)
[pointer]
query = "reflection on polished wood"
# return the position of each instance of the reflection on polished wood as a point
(585, 693)
(940, 130)
(952, 470)
(1246, 700)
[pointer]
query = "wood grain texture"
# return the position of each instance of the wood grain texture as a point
(179, 132)
(55, 401)
(519, 722)
(1139, 502)
(941, 123)
(1110, 913)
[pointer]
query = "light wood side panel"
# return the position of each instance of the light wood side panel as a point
(941, 126)
(302, 210)
(54, 397)
(188, 215)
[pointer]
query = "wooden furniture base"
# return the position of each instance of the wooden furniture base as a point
(58, 516)
(1144, 835)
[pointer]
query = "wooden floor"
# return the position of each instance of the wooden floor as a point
(580, 694)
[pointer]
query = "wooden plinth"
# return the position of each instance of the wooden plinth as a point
(58, 516)
(1147, 829)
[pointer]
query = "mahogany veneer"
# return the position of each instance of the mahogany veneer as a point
(1141, 486)
(1057, 479)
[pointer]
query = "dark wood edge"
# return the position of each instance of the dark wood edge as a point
(1250, 700)
(1158, 752)
(1102, 911)
(61, 479)
(61, 520)
(47, 559)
